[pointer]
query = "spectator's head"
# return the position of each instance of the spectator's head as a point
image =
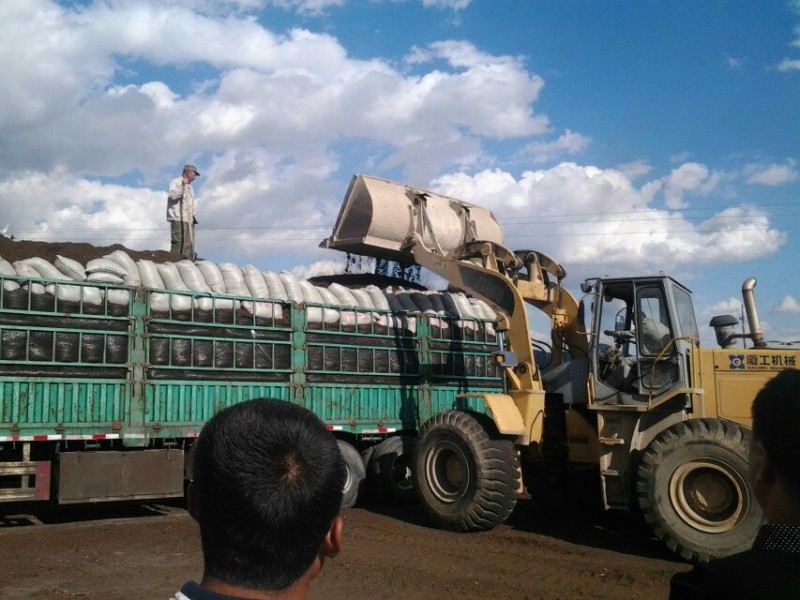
(775, 450)
(267, 490)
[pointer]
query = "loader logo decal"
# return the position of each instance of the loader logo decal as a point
(737, 361)
(761, 362)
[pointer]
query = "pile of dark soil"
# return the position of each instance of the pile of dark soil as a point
(12, 250)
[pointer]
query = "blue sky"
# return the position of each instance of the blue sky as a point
(618, 137)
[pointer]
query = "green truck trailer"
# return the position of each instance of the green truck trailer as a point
(101, 402)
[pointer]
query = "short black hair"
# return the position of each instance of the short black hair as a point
(268, 481)
(776, 424)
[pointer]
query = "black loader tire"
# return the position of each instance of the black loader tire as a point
(694, 492)
(466, 481)
(389, 471)
(356, 473)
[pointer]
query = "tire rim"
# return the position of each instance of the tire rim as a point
(449, 471)
(348, 479)
(709, 496)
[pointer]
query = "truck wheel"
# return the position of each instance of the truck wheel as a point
(389, 469)
(465, 480)
(693, 490)
(366, 455)
(355, 473)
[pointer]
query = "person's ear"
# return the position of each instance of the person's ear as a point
(332, 544)
(330, 547)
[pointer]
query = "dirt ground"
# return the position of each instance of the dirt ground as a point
(146, 551)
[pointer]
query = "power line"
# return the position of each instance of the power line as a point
(649, 210)
(508, 236)
(545, 221)
(539, 221)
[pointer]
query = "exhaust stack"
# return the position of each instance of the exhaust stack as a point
(748, 296)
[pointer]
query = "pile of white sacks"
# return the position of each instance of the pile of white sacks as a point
(207, 280)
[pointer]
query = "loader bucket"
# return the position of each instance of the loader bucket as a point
(378, 217)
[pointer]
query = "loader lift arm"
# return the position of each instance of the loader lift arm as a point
(462, 244)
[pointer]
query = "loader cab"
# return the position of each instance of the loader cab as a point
(639, 342)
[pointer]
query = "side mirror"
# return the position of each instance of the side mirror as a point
(619, 323)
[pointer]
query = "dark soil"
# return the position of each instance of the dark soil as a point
(93, 554)
(13, 250)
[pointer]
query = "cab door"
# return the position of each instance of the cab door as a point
(657, 365)
(634, 352)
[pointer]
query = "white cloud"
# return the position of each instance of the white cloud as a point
(789, 305)
(792, 64)
(584, 215)
(689, 177)
(635, 169)
(64, 91)
(313, 7)
(788, 64)
(79, 209)
(451, 4)
(771, 175)
(680, 157)
(734, 63)
(568, 144)
(731, 306)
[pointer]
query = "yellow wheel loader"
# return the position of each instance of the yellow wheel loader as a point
(628, 387)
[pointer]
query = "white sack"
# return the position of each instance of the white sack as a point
(254, 281)
(132, 276)
(275, 287)
(292, 287)
(172, 280)
(233, 283)
(196, 282)
(152, 280)
(257, 288)
(347, 299)
(379, 300)
(7, 269)
(234, 280)
(121, 297)
(70, 268)
(463, 310)
(192, 276)
(23, 269)
(44, 268)
(329, 315)
(311, 296)
(212, 275)
(106, 265)
(105, 277)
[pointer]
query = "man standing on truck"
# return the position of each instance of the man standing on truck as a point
(180, 212)
(266, 493)
(771, 569)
